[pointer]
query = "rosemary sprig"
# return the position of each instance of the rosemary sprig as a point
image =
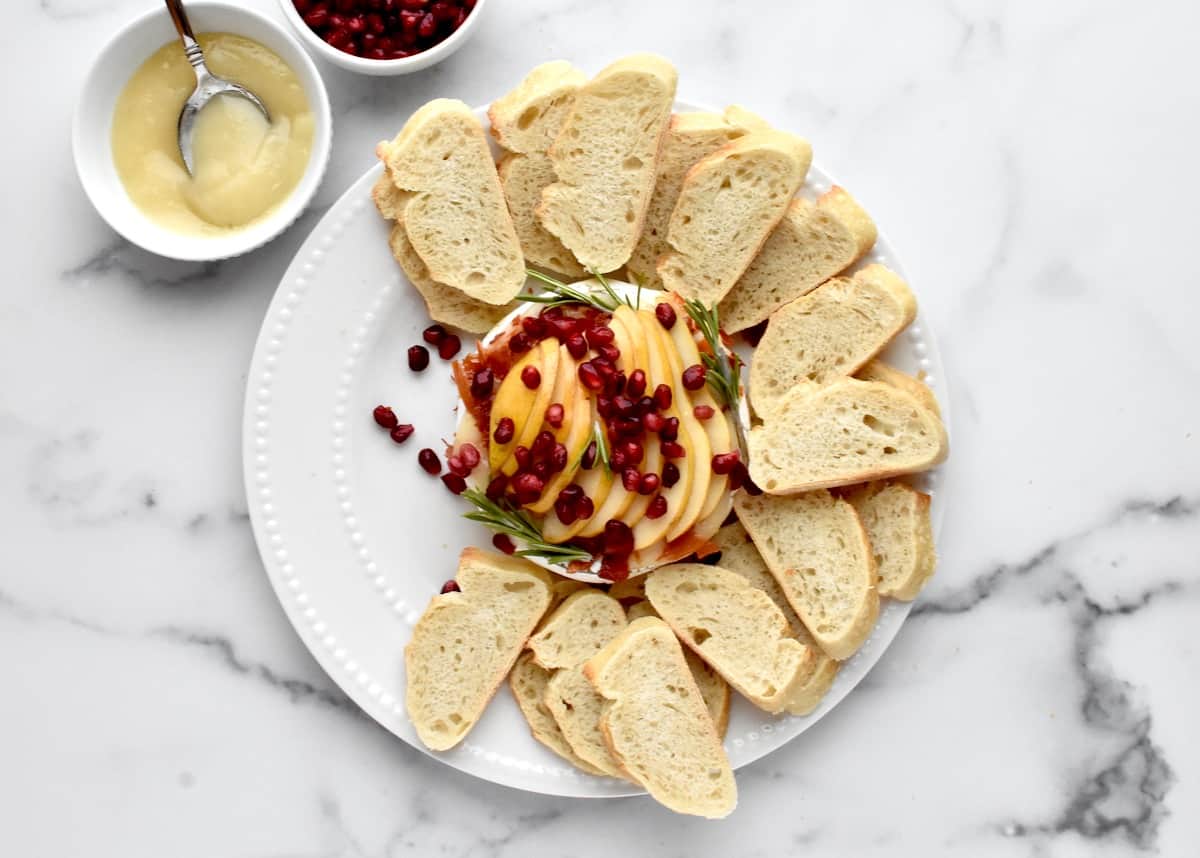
(603, 281)
(601, 445)
(504, 519)
(724, 367)
(558, 292)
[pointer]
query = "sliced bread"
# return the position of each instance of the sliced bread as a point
(605, 158)
(735, 628)
(528, 683)
(656, 723)
(830, 332)
(728, 205)
(713, 688)
(817, 549)
(577, 708)
(466, 642)
(444, 304)
(453, 208)
(584, 622)
(877, 370)
(896, 517)
(847, 432)
(812, 243)
(689, 138)
(525, 122)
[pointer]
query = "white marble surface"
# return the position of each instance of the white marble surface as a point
(1033, 161)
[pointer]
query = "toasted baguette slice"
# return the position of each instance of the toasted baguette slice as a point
(896, 517)
(812, 243)
(525, 122)
(454, 210)
(847, 432)
(728, 206)
(528, 683)
(830, 332)
(629, 591)
(689, 138)
(605, 157)
(877, 370)
(713, 688)
(577, 708)
(584, 622)
(466, 642)
(816, 547)
(656, 724)
(738, 555)
(735, 628)
(443, 303)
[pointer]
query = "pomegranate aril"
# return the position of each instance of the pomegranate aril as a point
(618, 538)
(618, 383)
(588, 461)
(694, 376)
(614, 567)
(637, 384)
(519, 343)
(645, 405)
(626, 427)
(563, 328)
(482, 383)
(533, 326)
(605, 406)
(527, 487)
(523, 457)
(443, 11)
(385, 417)
(451, 586)
(401, 432)
(356, 24)
(375, 25)
(428, 26)
(624, 406)
(504, 543)
(617, 460)
(704, 412)
(600, 336)
(670, 430)
(434, 334)
(531, 377)
(541, 470)
(455, 483)
(558, 458)
(585, 507)
(576, 346)
(590, 377)
(670, 475)
(723, 463)
(449, 346)
(657, 508)
(648, 484)
(665, 314)
(414, 4)
(662, 397)
(429, 461)
(630, 479)
(565, 511)
(554, 415)
(317, 18)
(672, 450)
(469, 454)
(572, 492)
(457, 466)
(755, 333)
(496, 487)
(609, 352)
(504, 431)
(633, 451)
(543, 443)
(653, 422)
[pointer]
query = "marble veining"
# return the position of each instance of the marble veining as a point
(1031, 162)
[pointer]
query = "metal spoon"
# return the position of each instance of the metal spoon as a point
(208, 85)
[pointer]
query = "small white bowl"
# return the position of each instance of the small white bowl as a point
(91, 135)
(363, 65)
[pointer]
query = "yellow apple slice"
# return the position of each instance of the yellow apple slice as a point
(596, 483)
(634, 353)
(515, 401)
(576, 442)
(550, 351)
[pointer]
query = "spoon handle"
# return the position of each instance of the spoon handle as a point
(191, 48)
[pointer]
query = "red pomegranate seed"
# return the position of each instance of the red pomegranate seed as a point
(645, 405)
(533, 326)
(572, 492)
(609, 352)
(385, 417)
(495, 488)
(586, 507)
(505, 429)
(576, 346)
(428, 26)
(723, 463)
(456, 484)
(554, 415)
(528, 487)
(672, 450)
(618, 383)
(653, 422)
(694, 376)
(558, 458)
(317, 18)
(455, 465)
(604, 405)
(356, 24)
(617, 460)
(606, 368)
(630, 478)
(563, 328)
(618, 538)
(429, 460)
(543, 443)
(531, 377)
(662, 397)
(503, 543)
(704, 412)
(657, 508)
(418, 358)
(469, 454)
(541, 470)
(649, 484)
(451, 586)
(627, 427)
(755, 333)
(552, 313)
(637, 384)
(518, 343)
(670, 430)
(633, 451)
(624, 406)
(414, 4)
(665, 314)
(600, 336)
(401, 432)
(434, 334)
(670, 475)
(482, 383)
(449, 347)
(375, 25)
(523, 457)
(614, 567)
(565, 510)
(589, 457)
(590, 377)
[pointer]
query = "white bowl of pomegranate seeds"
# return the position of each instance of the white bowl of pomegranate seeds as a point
(383, 37)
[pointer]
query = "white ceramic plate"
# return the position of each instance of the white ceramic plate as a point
(356, 538)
